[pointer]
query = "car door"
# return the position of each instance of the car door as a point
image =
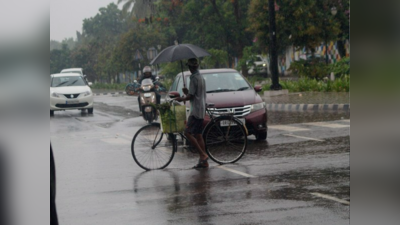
(173, 87)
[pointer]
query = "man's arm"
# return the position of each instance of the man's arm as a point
(187, 96)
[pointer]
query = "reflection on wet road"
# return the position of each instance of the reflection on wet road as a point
(288, 179)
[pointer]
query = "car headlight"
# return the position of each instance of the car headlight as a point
(87, 93)
(264, 64)
(55, 94)
(257, 106)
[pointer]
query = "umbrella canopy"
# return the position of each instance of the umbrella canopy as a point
(179, 52)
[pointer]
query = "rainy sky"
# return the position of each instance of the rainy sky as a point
(66, 16)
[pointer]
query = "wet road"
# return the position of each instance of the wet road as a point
(301, 175)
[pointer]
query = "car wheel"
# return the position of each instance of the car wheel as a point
(51, 112)
(90, 110)
(260, 136)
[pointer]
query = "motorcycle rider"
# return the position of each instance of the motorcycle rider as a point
(147, 73)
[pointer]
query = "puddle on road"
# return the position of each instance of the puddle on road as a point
(331, 146)
(116, 110)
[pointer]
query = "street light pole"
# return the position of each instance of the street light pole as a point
(273, 51)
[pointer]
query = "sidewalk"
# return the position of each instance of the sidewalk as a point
(309, 101)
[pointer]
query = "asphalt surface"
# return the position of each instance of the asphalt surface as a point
(300, 175)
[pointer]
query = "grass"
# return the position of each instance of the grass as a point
(341, 84)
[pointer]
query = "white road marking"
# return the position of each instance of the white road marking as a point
(308, 138)
(329, 125)
(235, 171)
(331, 198)
(287, 128)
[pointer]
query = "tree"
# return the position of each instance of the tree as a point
(302, 23)
(59, 59)
(100, 35)
(138, 8)
(211, 24)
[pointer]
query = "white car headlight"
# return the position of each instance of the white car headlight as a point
(55, 94)
(257, 106)
(87, 93)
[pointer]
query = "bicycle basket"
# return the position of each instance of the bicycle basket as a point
(173, 120)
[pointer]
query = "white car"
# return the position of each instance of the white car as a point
(70, 91)
(73, 70)
(261, 66)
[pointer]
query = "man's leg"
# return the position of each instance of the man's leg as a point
(198, 142)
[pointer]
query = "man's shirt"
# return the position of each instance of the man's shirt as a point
(197, 89)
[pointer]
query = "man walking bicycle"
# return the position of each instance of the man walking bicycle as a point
(197, 97)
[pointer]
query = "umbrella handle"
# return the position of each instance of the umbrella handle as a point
(183, 77)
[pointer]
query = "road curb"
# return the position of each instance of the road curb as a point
(110, 93)
(279, 107)
(119, 93)
(308, 107)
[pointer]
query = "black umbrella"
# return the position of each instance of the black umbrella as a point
(179, 52)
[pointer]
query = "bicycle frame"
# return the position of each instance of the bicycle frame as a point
(212, 120)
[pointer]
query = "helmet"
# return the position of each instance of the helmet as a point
(147, 71)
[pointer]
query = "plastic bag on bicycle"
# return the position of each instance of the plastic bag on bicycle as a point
(173, 120)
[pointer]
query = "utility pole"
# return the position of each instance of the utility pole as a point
(273, 51)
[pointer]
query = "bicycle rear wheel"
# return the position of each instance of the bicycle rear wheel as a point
(150, 148)
(225, 143)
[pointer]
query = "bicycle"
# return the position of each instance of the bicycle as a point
(225, 137)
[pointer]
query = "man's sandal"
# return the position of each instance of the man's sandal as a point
(202, 164)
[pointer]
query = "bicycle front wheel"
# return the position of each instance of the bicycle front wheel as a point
(225, 139)
(151, 150)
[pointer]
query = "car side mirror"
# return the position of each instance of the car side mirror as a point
(257, 88)
(90, 83)
(174, 94)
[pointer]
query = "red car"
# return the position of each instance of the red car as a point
(230, 92)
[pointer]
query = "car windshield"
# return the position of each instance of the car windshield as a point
(72, 71)
(67, 81)
(258, 58)
(224, 82)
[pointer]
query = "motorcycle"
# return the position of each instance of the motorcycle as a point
(148, 100)
(131, 88)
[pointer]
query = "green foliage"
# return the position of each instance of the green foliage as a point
(167, 83)
(170, 70)
(314, 68)
(341, 67)
(217, 59)
(255, 79)
(110, 39)
(248, 58)
(301, 23)
(312, 85)
(60, 59)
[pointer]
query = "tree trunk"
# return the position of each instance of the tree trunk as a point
(341, 48)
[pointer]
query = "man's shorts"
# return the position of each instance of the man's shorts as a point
(194, 125)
